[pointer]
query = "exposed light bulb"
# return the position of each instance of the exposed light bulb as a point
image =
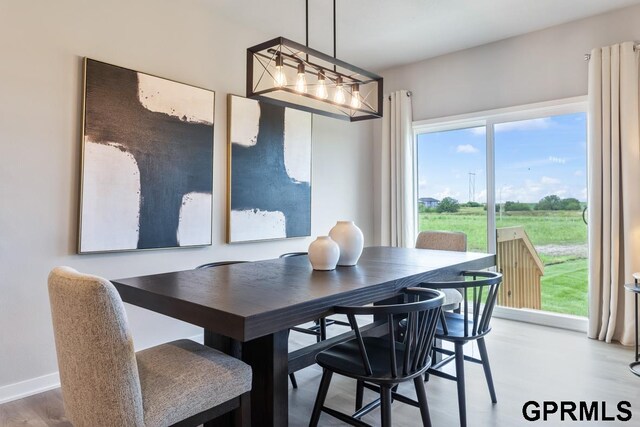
(279, 78)
(321, 89)
(301, 81)
(339, 96)
(355, 96)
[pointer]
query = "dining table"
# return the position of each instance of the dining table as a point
(247, 309)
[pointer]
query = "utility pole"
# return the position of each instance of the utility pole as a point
(472, 186)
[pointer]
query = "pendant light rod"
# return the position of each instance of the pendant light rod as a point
(334, 29)
(306, 15)
(334, 34)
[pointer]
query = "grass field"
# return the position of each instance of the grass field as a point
(559, 236)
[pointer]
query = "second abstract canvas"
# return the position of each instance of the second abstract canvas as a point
(269, 171)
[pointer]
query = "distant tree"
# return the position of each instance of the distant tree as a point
(510, 206)
(472, 205)
(448, 204)
(570, 204)
(549, 203)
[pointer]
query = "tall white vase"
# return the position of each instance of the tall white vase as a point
(351, 241)
(324, 253)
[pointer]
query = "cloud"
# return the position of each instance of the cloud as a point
(447, 192)
(549, 181)
(578, 173)
(422, 187)
(533, 190)
(558, 160)
(522, 125)
(466, 148)
(481, 130)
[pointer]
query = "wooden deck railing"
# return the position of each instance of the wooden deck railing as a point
(521, 269)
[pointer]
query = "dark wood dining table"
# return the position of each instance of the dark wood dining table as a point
(247, 309)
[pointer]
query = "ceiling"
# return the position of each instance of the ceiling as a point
(379, 34)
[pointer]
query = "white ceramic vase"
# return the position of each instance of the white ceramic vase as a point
(350, 240)
(324, 253)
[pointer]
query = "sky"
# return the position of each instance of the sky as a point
(534, 158)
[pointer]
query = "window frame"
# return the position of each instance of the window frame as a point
(489, 119)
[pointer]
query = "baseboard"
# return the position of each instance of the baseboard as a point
(543, 318)
(29, 387)
(44, 383)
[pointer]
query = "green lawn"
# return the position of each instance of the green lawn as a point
(556, 233)
(564, 287)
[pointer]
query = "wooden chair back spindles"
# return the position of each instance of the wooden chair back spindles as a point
(422, 312)
(381, 363)
(480, 295)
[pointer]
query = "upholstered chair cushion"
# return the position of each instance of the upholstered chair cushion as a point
(444, 241)
(98, 369)
(105, 383)
(182, 378)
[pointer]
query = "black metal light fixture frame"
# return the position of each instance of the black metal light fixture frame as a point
(362, 90)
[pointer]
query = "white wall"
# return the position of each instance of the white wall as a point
(41, 46)
(540, 66)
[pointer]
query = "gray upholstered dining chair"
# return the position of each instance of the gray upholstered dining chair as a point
(106, 383)
(444, 241)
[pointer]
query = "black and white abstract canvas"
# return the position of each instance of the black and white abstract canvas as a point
(270, 171)
(147, 171)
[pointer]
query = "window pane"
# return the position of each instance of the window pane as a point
(452, 183)
(541, 193)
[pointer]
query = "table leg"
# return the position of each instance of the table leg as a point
(268, 357)
(232, 348)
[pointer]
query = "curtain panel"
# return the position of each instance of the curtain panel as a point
(398, 198)
(614, 190)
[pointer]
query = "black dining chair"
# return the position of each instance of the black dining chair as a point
(218, 263)
(382, 363)
(473, 323)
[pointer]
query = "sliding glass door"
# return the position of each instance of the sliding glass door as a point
(515, 183)
(451, 186)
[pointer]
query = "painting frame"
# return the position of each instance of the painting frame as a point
(206, 143)
(230, 171)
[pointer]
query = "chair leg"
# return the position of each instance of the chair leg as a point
(462, 404)
(319, 335)
(482, 346)
(385, 397)
(359, 395)
(292, 377)
(322, 395)
(242, 415)
(323, 329)
(422, 400)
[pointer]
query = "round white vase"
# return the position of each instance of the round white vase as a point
(324, 253)
(350, 240)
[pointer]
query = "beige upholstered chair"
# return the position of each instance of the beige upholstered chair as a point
(444, 241)
(105, 383)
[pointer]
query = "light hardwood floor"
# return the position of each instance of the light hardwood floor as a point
(529, 363)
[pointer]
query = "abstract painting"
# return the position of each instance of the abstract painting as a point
(147, 163)
(269, 171)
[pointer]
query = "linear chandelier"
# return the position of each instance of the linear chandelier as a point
(286, 73)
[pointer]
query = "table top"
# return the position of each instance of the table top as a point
(248, 300)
